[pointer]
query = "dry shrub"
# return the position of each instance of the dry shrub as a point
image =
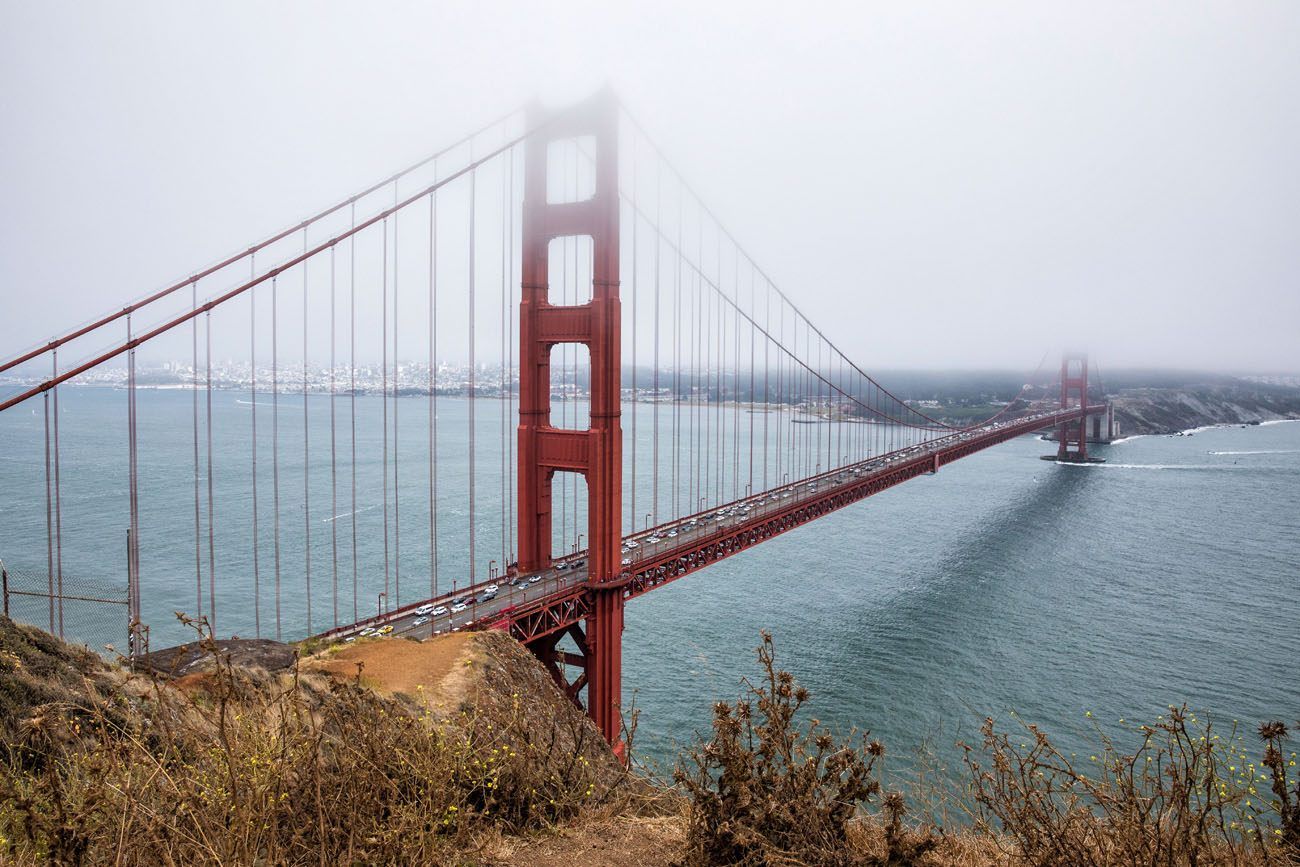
(1184, 796)
(248, 768)
(764, 791)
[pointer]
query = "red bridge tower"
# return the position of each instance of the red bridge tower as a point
(597, 452)
(1074, 381)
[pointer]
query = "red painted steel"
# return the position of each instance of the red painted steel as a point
(1074, 430)
(597, 453)
(541, 619)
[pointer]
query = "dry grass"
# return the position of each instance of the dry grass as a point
(465, 753)
(765, 791)
(1184, 794)
(244, 768)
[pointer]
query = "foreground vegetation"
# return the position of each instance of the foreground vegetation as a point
(238, 766)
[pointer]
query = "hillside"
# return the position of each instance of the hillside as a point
(382, 752)
(1170, 410)
(460, 750)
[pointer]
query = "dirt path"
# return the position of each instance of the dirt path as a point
(398, 666)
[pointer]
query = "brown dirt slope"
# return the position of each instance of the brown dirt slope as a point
(396, 666)
(487, 675)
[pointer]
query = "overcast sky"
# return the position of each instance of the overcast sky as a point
(937, 184)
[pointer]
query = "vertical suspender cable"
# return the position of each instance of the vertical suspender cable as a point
(694, 463)
(194, 395)
(753, 306)
(501, 362)
(334, 472)
(706, 342)
(397, 371)
(49, 505)
(735, 391)
(636, 225)
(306, 445)
(580, 296)
(654, 478)
(720, 404)
(352, 396)
(473, 198)
(275, 442)
(433, 393)
(677, 369)
(780, 397)
(133, 554)
(58, 498)
(509, 371)
(252, 399)
(212, 548)
(767, 376)
(383, 367)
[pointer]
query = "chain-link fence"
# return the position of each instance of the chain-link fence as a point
(92, 612)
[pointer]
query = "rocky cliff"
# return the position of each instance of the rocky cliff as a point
(1169, 410)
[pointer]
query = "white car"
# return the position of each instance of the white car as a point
(633, 543)
(420, 621)
(533, 579)
(456, 609)
(491, 588)
(653, 540)
(672, 534)
(423, 610)
(439, 611)
(368, 631)
(627, 561)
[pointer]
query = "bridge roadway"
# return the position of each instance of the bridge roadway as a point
(537, 605)
(532, 606)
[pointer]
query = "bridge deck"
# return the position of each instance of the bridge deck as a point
(537, 605)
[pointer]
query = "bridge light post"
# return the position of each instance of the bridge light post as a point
(647, 520)
(492, 570)
(379, 603)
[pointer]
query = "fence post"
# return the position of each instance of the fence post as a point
(4, 576)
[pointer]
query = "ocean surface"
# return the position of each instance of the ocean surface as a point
(1169, 574)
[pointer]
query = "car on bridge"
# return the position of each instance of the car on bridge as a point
(439, 611)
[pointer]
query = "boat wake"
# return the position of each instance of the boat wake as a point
(347, 514)
(1260, 452)
(1151, 466)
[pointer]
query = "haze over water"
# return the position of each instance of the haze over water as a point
(1169, 574)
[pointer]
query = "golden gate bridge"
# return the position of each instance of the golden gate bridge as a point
(631, 296)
